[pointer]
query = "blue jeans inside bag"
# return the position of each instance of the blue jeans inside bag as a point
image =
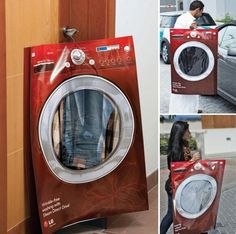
(86, 115)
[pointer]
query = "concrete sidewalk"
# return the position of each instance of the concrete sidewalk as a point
(226, 220)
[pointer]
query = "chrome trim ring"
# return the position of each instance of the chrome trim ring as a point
(199, 45)
(71, 85)
(181, 187)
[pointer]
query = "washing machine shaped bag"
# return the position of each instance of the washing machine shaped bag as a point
(194, 61)
(85, 130)
(196, 194)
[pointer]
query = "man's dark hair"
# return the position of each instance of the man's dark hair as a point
(196, 4)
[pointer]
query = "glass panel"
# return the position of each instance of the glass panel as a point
(229, 39)
(221, 34)
(196, 196)
(168, 21)
(85, 129)
(193, 61)
(205, 20)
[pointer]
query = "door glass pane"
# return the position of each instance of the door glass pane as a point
(168, 21)
(221, 34)
(229, 39)
(193, 61)
(205, 20)
(85, 129)
(196, 196)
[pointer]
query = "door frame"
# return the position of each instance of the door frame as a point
(3, 123)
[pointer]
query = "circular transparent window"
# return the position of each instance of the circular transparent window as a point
(193, 61)
(195, 195)
(86, 128)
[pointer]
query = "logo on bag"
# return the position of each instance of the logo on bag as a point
(48, 223)
(198, 166)
(45, 224)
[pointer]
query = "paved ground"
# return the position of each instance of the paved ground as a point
(209, 104)
(226, 221)
(144, 222)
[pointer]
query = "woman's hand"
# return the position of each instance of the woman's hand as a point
(196, 156)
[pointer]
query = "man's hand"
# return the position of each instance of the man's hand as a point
(193, 25)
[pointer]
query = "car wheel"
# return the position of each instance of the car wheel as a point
(165, 53)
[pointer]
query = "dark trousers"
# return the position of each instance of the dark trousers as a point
(168, 219)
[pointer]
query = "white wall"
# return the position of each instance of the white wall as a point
(140, 19)
(229, 7)
(220, 9)
(216, 141)
(210, 7)
(186, 4)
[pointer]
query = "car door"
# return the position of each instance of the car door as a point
(227, 63)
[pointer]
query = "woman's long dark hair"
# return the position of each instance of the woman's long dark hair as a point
(176, 142)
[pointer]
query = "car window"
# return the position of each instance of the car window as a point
(205, 20)
(168, 21)
(229, 38)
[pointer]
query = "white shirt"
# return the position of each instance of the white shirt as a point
(184, 21)
(180, 103)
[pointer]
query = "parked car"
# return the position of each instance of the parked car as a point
(167, 21)
(227, 62)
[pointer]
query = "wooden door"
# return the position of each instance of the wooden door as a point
(218, 121)
(3, 134)
(94, 19)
